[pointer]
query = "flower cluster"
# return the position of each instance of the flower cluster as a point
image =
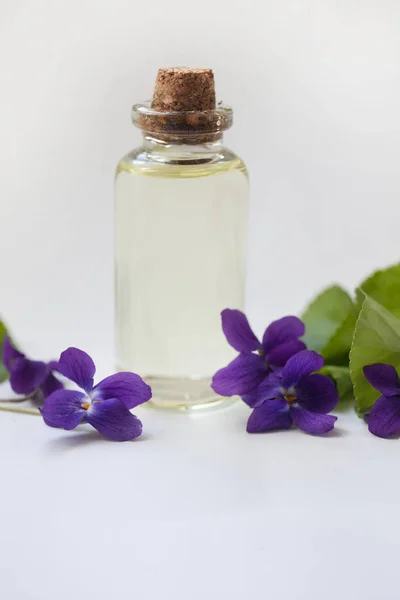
(276, 377)
(106, 406)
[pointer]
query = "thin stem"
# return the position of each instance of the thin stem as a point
(17, 409)
(21, 398)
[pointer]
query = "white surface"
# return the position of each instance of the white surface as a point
(197, 508)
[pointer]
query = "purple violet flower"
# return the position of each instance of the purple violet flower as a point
(384, 417)
(295, 394)
(256, 359)
(105, 406)
(28, 376)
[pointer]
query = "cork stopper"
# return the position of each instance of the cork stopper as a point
(183, 89)
(183, 108)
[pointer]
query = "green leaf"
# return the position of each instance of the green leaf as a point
(376, 340)
(330, 321)
(337, 349)
(384, 287)
(3, 370)
(344, 385)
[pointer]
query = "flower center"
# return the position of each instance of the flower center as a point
(289, 395)
(85, 405)
(290, 399)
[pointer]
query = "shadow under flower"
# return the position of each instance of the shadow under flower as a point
(337, 432)
(77, 439)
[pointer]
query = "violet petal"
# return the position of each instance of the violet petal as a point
(77, 366)
(269, 389)
(241, 376)
(273, 414)
(10, 353)
(383, 378)
(310, 422)
(384, 418)
(112, 419)
(279, 355)
(238, 331)
(127, 387)
(50, 384)
(27, 375)
(317, 393)
(63, 409)
(301, 364)
(281, 331)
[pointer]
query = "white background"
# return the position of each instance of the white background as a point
(199, 509)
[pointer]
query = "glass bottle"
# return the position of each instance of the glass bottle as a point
(181, 216)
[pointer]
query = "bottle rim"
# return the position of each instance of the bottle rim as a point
(183, 123)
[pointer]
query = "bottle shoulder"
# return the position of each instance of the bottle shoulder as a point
(167, 163)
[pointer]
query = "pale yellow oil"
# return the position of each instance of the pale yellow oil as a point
(181, 235)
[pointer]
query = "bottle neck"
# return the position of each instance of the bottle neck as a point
(189, 149)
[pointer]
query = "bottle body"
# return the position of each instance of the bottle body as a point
(181, 216)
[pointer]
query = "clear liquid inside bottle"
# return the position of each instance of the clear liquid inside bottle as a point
(181, 232)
